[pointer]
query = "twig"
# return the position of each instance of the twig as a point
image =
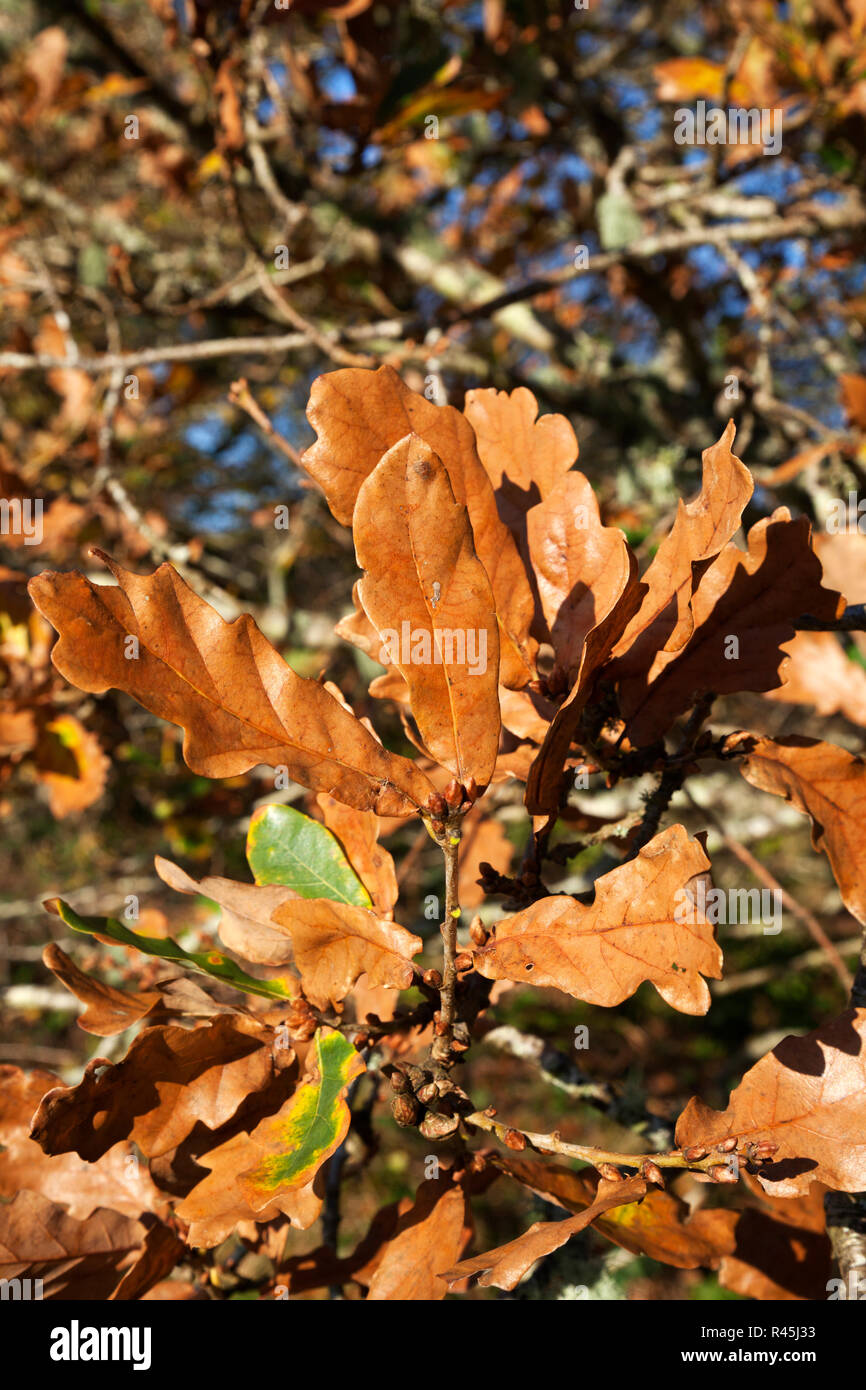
(762, 975)
(555, 1144)
(764, 876)
(853, 619)
(241, 396)
(450, 846)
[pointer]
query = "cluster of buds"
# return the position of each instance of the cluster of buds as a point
(753, 1152)
(460, 1039)
(441, 807)
(425, 1102)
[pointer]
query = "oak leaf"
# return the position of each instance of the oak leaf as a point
(517, 447)
(752, 599)
(664, 621)
(640, 926)
(170, 1080)
(358, 416)
(780, 1251)
(435, 1230)
(808, 1097)
(828, 784)
(107, 1010)
(425, 586)
(117, 1178)
(358, 833)
(505, 1266)
(236, 699)
(74, 1259)
(335, 943)
(276, 1167)
(544, 785)
(660, 1226)
(582, 567)
(818, 672)
(245, 925)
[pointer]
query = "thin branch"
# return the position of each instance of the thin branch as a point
(241, 396)
(763, 875)
(853, 619)
(819, 221)
(554, 1143)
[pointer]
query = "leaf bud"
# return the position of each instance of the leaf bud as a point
(478, 932)
(405, 1110)
(514, 1139)
(438, 1126)
(453, 793)
(721, 1172)
(765, 1149)
(609, 1171)
(695, 1153)
(652, 1172)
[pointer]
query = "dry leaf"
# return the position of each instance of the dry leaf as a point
(428, 596)
(358, 416)
(118, 1177)
(629, 934)
(170, 1080)
(817, 672)
(808, 1097)
(78, 1260)
(828, 785)
(505, 1266)
(335, 943)
(661, 1226)
(664, 621)
(358, 833)
(236, 699)
(544, 785)
(247, 909)
(582, 567)
(744, 609)
(433, 1232)
(108, 1010)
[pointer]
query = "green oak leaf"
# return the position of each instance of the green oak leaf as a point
(286, 847)
(313, 1124)
(213, 963)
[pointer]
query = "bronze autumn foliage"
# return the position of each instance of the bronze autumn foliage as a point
(462, 522)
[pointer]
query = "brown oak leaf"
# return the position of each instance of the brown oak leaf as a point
(358, 416)
(428, 596)
(828, 784)
(170, 1080)
(642, 925)
(808, 1097)
(236, 699)
(505, 1266)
